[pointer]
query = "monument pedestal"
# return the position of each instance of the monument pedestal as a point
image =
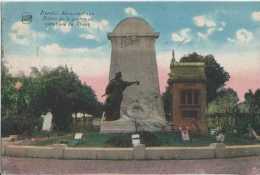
(128, 125)
(117, 126)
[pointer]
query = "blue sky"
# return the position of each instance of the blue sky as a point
(228, 30)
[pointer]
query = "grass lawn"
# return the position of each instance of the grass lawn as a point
(96, 139)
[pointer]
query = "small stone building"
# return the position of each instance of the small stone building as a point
(188, 87)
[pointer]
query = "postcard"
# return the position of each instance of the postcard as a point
(130, 87)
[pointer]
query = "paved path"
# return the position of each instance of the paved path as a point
(243, 166)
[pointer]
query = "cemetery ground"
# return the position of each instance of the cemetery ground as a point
(96, 139)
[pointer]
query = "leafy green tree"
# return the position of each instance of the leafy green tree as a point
(56, 90)
(215, 73)
(62, 93)
(226, 102)
(8, 96)
(17, 117)
(251, 105)
(223, 110)
(88, 103)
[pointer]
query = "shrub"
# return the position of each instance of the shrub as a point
(120, 140)
(149, 139)
(22, 124)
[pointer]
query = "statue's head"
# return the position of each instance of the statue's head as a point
(118, 75)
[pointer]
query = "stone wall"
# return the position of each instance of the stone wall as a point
(139, 152)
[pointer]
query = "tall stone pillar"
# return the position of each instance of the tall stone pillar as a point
(133, 54)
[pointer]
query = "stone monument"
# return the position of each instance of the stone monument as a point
(133, 54)
(47, 121)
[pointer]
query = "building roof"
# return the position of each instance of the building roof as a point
(188, 72)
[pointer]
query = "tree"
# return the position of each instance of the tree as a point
(88, 103)
(252, 107)
(17, 114)
(215, 73)
(167, 103)
(225, 102)
(62, 93)
(7, 91)
(57, 90)
(223, 109)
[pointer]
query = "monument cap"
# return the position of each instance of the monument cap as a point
(133, 26)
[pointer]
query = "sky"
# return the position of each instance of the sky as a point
(75, 34)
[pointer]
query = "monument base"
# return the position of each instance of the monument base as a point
(117, 126)
(127, 125)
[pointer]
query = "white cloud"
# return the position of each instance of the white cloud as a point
(204, 21)
(231, 40)
(92, 25)
(101, 25)
(129, 11)
(88, 36)
(84, 61)
(95, 28)
(206, 34)
(52, 49)
(242, 37)
(56, 50)
(23, 34)
(63, 26)
(256, 15)
(209, 24)
(182, 36)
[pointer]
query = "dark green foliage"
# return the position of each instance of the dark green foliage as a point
(226, 112)
(124, 140)
(223, 110)
(120, 140)
(149, 139)
(17, 114)
(62, 93)
(57, 90)
(252, 105)
(167, 103)
(215, 73)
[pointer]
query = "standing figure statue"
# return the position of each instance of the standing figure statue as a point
(114, 93)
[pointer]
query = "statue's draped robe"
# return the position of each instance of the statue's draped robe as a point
(114, 91)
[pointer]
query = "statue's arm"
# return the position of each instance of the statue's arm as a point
(130, 83)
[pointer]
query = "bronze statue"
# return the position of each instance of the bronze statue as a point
(114, 93)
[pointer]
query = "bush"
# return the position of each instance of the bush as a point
(21, 124)
(125, 140)
(120, 140)
(149, 139)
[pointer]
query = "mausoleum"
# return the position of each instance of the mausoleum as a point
(189, 91)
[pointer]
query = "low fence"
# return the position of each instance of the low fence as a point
(140, 152)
